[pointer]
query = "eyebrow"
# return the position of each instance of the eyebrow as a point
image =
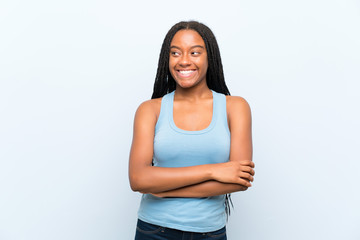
(195, 46)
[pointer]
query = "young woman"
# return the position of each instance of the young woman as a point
(192, 142)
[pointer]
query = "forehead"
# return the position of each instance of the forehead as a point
(187, 38)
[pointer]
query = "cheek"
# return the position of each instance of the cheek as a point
(171, 64)
(203, 61)
(205, 65)
(171, 68)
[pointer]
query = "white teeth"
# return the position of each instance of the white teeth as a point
(186, 72)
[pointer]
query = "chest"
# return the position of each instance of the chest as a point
(193, 116)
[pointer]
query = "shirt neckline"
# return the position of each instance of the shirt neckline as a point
(177, 129)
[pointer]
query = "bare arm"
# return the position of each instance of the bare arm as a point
(146, 178)
(205, 189)
(239, 118)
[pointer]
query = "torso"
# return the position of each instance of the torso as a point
(178, 142)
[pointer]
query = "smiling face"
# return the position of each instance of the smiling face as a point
(188, 59)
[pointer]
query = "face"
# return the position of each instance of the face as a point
(188, 59)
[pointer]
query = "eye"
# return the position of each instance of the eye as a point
(195, 53)
(175, 54)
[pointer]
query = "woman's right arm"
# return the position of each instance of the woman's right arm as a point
(150, 179)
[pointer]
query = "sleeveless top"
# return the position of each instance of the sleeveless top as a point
(175, 147)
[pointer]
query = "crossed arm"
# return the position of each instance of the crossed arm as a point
(196, 181)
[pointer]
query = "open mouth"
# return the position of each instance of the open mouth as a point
(186, 73)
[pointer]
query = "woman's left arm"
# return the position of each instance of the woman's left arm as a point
(239, 120)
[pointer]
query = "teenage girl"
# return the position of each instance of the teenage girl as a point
(192, 142)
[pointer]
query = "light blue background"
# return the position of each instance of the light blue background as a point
(72, 74)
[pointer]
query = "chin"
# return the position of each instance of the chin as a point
(186, 85)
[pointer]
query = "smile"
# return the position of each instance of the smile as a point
(186, 73)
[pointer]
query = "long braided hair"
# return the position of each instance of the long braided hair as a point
(165, 83)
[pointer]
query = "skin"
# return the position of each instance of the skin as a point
(192, 111)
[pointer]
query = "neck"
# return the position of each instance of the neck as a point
(193, 94)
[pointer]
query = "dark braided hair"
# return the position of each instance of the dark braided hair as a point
(165, 83)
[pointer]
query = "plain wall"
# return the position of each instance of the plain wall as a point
(72, 74)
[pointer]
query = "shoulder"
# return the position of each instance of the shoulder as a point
(150, 105)
(238, 111)
(237, 104)
(149, 109)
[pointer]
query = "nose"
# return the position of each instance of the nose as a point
(184, 60)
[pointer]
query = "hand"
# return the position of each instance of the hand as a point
(239, 172)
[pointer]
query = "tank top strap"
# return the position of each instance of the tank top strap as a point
(164, 110)
(220, 109)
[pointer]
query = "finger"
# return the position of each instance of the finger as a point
(251, 171)
(252, 164)
(247, 176)
(247, 163)
(248, 170)
(244, 182)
